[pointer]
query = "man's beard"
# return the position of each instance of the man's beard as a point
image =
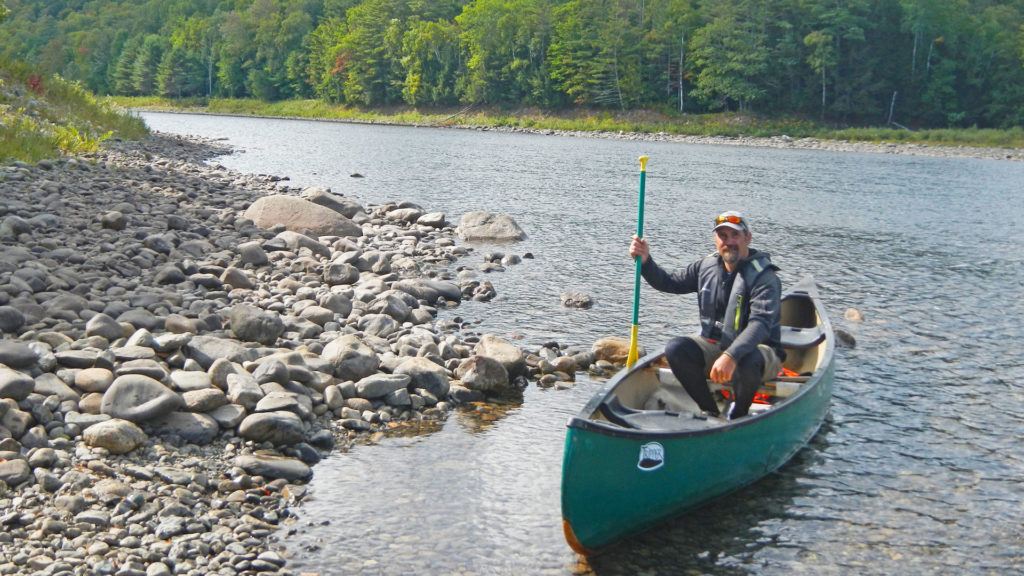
(730, 255)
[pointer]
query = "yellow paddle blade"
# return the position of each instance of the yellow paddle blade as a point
(634, 354)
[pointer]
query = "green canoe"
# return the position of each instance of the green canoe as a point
(640, 451)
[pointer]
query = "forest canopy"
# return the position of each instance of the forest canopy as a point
(924, 63)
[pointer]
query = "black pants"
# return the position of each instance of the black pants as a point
(688, 365)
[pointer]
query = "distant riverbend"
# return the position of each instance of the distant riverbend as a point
(660, 130)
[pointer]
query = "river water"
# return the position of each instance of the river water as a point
(918, 469)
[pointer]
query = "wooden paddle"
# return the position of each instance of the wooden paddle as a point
(634, 354)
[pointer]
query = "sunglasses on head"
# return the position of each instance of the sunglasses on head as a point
(731, 219)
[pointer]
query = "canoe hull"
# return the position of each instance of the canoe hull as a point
(607, 495)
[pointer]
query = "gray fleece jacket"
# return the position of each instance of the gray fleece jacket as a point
(752, 314)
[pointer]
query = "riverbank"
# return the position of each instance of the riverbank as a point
(173, 363)
(712, 129)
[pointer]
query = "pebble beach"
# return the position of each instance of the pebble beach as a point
(180, 344)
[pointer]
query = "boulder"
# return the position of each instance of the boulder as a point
(350, 358)
(427, 375)
(299, 214)
(139, 398)
(510, 355)
(483, 374)
(481, 225)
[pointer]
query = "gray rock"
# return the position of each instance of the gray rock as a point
(237, 278)
(573, 299)
(380, 325)
(281, 428)
(427, 375)
(139, 399)
(228, 416)
(188, 381)
(17, 422)
(105, 326)
(17, 354)
(316, 314)
(206, 349)
(77, 358)
(14, 472)
(49, 384)
(274, 467)
(337, 303)
(276, 401)
(340, 273)
(510, 355)
(15, 385)
(251, 324)
(85, 421)
(299, 214)
(432, 219)
(204, 400)
(116, 435)
(194, 428)
(94, 379)
(11, 319)
(483, 374)
(143, 367)
(296, 242)
(178, 324)
(489, 226)
(429, 290)
(252, 253)
(243, 390)
(340, 204)
(113, 220)
(350, 358)
(380, 385)
(391, 305)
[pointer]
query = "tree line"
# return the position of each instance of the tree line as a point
(933, 63)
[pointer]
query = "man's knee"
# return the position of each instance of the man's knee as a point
(751, 367)
(684, 349)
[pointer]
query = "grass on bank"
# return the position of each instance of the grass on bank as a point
(723, 124)
(46, 117)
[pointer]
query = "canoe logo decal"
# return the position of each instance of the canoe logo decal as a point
(652, 456)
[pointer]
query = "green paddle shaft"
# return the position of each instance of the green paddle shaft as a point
(640, 234)
(634, 353)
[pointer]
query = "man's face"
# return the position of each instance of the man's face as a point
(732, 245)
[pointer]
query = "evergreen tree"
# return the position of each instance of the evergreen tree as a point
(144, 70)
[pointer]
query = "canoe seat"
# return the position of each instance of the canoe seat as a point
(652, 420)
(802, 338)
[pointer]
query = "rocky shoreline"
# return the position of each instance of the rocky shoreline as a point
(180, 343)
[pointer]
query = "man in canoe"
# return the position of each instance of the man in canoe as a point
(738, 297)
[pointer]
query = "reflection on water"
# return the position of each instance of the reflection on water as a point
(918, 470)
